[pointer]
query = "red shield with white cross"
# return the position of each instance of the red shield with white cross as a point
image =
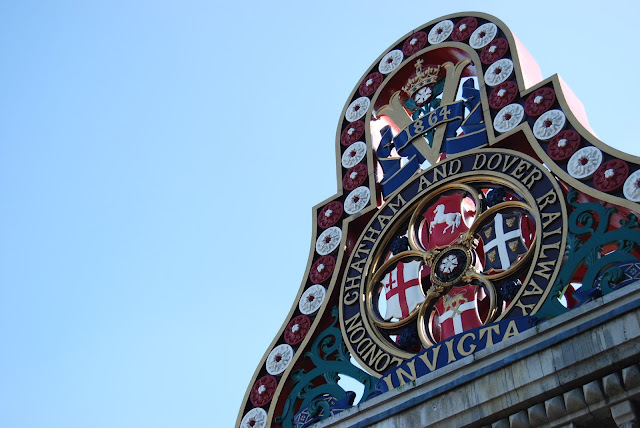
(446, 219)
(456, 312)
(402, 290)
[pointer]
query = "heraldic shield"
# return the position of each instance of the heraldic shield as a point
(472, 203)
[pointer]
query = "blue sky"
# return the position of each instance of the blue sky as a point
(158, 165)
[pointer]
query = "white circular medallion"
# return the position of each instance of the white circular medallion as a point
(328, 240)
(508, 117)
(584, 162)
(279, 359)
(255, 418)
(357, 200)
(498, 72)
(357, 109)
(549, 124)
(440, 32)
(311, 299)
(483, 35)
(354, 154)
(449, 263)
(631, 188)
(390, 61)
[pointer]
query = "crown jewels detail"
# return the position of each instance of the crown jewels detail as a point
(422, 78)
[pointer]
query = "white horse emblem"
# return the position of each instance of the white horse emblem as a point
(439, 217)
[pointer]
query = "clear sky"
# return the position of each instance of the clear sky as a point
(158, 165)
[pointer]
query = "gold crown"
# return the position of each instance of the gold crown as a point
(421, 79)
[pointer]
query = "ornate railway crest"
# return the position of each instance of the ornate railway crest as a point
(474, 205)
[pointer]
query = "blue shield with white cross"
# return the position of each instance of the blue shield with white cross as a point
(503, 242)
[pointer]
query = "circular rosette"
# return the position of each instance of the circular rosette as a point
(279, 359)
(357, 109)
(611, 175)
(563, 145)
(354, 154)
(255, 418)
(539, 102)
(483, 35)
(357, 200)
(450, 265)
(442, 218)
(584, 163)
(297, 329)
(390, 61)
(395, 293)
(440, 32)
(494, 51)
(352, 133)
(328, 240)
(263, 390)
(498, 72)
(464, 28)
(311, 299)
(370, 84)
(505, 235)
(322, 269)
(414, 43)
(631, 188)
(549, 124)
(508, 118)
(503, 94)
(354, 177)
(330, 214)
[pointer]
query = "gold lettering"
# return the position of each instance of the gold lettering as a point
(472, 348)
(496, 164)
(534, 291)
(455, 164)
(424, 184)
(359, 265)
(397, 361)
(371, 235)
(353, 322)
(384, 220)
(493, 328)
(452, 356)
(431, 364)
(379, 368)
(354, 282)
(512, 330)
(410, 376)
(371, 355)
(387, 380)
(479, 157)
(445, 112)
(526, 309)
(544, 269)
(548, 218)
(418, 127)
(399, 203)
(351, 297)
(362, 248)
(357, 339)
(558, 231)
(442, 172)
(433, 118)
(522, 167)
(547, 199)
(508, 162)
(367, 345)
(533, 176)
(546, 247)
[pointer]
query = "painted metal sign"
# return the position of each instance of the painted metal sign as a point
(474, 204)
